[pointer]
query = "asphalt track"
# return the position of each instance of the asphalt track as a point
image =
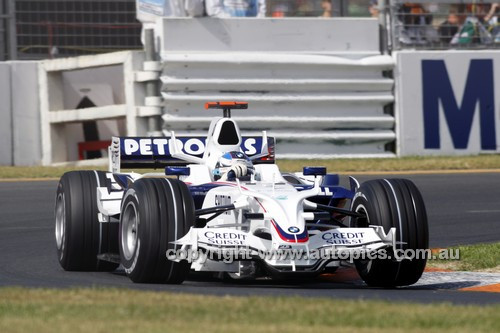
(462, 209)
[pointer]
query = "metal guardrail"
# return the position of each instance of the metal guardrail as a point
(333, 100)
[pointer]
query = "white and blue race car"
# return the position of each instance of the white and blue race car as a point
(222, 205)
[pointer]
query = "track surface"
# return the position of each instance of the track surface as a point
(462, 209)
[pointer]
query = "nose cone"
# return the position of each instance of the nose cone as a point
(292, 234)
(288, 221)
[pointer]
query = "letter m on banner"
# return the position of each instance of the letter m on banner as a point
(479, 88)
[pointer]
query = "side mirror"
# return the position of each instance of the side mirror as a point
(314, 171)
(177, 171)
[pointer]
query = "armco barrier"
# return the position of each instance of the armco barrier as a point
(321, 91)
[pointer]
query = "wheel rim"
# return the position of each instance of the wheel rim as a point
(363, 222)
(360, 221)
(129, 230)
(60, 220)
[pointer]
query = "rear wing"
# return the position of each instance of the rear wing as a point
(155, 152)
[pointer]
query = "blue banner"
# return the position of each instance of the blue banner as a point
(157, 149)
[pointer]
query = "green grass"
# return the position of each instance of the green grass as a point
(333, 165)
(119, 310)
(478, 257)
(398, 164)
(8, 172)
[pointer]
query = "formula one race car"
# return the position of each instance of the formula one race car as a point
(222, 205)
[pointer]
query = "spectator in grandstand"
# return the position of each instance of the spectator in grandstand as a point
(493, 22)
(455, 19)
(235, 8)
(303, 8)
(280, 10)
(373, 8)
(473, 29)
(492, 13)
(415, 27)
(326, 5)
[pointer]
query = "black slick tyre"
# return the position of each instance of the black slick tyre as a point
(80, 237)
(154, 213)
(393, 203)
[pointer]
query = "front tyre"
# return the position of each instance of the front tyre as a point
(154, 213)
(80, 237)
(392, 203)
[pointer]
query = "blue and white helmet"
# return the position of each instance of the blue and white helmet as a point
(233, 164)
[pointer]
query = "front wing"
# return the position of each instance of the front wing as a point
(201, 245)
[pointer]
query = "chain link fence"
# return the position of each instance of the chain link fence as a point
(61, 28)
(3, 31)
(444, 24)
(34, 29)
(7, 30)
(317, 8)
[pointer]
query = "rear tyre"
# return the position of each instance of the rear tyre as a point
(154, 213)
(80, 237)
(392, 203)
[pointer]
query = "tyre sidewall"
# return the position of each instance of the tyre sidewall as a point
(62, 254)
(375, 216)
(84, 236)
(130, 265)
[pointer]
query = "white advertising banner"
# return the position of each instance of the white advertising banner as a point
(446, 102)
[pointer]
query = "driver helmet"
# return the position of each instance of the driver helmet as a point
(233, 164)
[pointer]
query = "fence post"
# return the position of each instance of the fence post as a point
(382, 20)
(11, 28)
(340, 8)
(152, 86)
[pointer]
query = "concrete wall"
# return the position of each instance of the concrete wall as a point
(40, 98)
(115, 82)
(20, 113)
(6, 157)
(104, 86)
(347, 36)
(26, 113)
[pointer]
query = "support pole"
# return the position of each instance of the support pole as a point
(11, 30)
(152, 87)
(382, 20)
